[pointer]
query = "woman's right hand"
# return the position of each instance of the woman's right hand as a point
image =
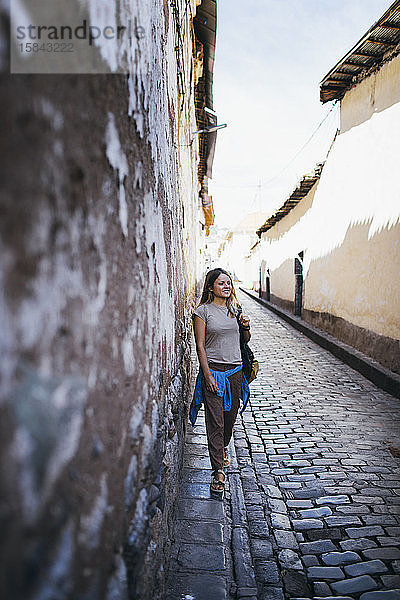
(211, 384)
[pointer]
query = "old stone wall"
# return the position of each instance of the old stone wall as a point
(99, 235)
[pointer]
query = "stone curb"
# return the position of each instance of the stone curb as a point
(381, 377)
(244, 572)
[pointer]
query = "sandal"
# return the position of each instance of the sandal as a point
(226, 459)
(217, 486)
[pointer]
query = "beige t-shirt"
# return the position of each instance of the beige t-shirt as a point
(222, 334)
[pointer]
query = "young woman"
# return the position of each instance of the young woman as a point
(220, 383)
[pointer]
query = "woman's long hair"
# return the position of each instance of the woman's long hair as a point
(208, 296)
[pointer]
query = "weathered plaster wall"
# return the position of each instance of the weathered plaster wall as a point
(280, 261)
(99, 234)
(373, 94)
(350, 239)
(285, 224)
(357, 286)
(282, 281)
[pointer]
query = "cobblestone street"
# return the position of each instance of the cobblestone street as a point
(318, 468)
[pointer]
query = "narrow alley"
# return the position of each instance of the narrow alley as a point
(312, 509)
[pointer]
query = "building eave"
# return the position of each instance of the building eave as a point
(300, 191)
(379, 44)
(205, 27)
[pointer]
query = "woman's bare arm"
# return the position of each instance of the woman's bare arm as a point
(200, 337)
(245, 321)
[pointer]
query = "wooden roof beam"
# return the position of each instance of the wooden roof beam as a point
(354, 64)
(350, 73)
(365, 55)
(337, 82)
(382, 43)
(342, 73)
(394, 9)
(394, 27)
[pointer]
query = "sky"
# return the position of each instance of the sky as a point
(270, 58)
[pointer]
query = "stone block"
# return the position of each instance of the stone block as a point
(368, 500)
(261, 548)
(325, 573)
(360, 544)
(353, 509)
(193, 461)
(389, 553)
(391, 581)
(253, 513)
(295, 583)
(318, 547)
(280, 521)
(205, 587)
(355, 585)
(308, 492)
(196, 448)
(368, 531)
(289, 560)
(271, 593)
(335, 559)
(204, 557)
(245, 593)
(272, 491)
(315, 513)
(339, 521)
(245, 577)
(321, 589)
(258, 528)
(199, 531)
(388, 541)
(311, 470)
(310, 560)
(276, 505)
(195, 490)
(305, 524)
(201, 509)
(281, 471)
(366, 568)
(266, 572)
(297, 463)
(301, 477)
(299, 503)
(285, 539)
(320, 534)
(334, 500)
(254, 498)
(290, 485)
(381, 520)
(196, 476)
(382, 595)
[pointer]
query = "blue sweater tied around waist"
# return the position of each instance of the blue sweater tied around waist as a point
(224, 391)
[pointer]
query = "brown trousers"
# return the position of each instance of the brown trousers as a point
(219, 423)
